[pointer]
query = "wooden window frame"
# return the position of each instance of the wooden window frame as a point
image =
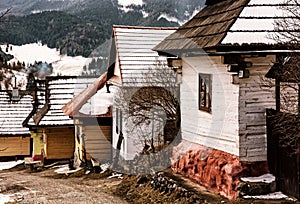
(205, 99)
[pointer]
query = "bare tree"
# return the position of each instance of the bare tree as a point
(288, 27)
(150, 105)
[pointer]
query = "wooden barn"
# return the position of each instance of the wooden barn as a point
(139, 75)
(14, 138)
(223, 54)
(91, 111)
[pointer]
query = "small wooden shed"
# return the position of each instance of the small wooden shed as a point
(14, 138)
(91, 111)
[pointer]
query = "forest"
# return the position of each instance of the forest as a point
(81, 27)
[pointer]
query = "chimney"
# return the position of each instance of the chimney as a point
(15, 91)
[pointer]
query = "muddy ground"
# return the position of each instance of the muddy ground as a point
(46, 186)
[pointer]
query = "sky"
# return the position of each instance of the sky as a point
(128, 2)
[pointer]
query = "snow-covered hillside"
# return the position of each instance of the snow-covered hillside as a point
(62, 64)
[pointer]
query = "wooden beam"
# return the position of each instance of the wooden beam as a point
(298, 98)
(277, 94)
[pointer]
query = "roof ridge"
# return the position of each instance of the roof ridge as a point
(145, 27)
(221, 12)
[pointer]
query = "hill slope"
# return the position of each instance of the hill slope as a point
(77, 27)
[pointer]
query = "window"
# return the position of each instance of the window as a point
(205, 92)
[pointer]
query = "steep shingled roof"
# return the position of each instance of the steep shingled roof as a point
(93, 101)
(228, 22)
(132, 55)
(13, 113)
(59, 91)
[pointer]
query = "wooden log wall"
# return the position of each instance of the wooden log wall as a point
(253, 102)
(14, 146)
(98, 142)
(60, 142)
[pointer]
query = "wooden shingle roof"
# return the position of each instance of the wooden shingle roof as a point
(13, 113)
(287, 70)
(228, 22)
(93, 101)
(59, 91)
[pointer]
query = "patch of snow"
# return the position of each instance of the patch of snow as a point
(9, 165)
(169, 18)
(62, 169)
(116, 175)
(126, 9)
(5, 198)
(266, 178)
(35, 52)
(104, 167)
(66, 170)
(129, 2)
(271, 196)
(145, 14)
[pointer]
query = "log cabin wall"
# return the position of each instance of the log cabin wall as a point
(59, 142)
(15, 146)
(254, 98)
(98, 142)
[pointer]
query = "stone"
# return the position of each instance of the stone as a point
(214, 169)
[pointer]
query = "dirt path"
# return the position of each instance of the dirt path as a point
(48, 187)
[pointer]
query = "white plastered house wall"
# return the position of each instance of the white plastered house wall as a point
(237, 122)
(134, 56)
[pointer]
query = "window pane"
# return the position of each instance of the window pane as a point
(205, 84)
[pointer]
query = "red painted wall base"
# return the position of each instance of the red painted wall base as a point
(217, 170)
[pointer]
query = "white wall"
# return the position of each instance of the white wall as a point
(219, 129)
(133, 135)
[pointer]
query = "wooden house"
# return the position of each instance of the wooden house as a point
(223, 54)
(135, 70)
(91, 111)
(52, 131)
(14, 138)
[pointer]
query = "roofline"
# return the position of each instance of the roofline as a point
(53, 125)
(144, 27)
(234, 49)
(15, 135)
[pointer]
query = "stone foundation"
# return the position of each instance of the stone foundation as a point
(217, 170)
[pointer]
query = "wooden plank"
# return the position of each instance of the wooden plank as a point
(60, 143)
(14, 146)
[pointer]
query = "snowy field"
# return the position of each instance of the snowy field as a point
(62, 64)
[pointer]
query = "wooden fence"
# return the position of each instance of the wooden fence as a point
(284, 163)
